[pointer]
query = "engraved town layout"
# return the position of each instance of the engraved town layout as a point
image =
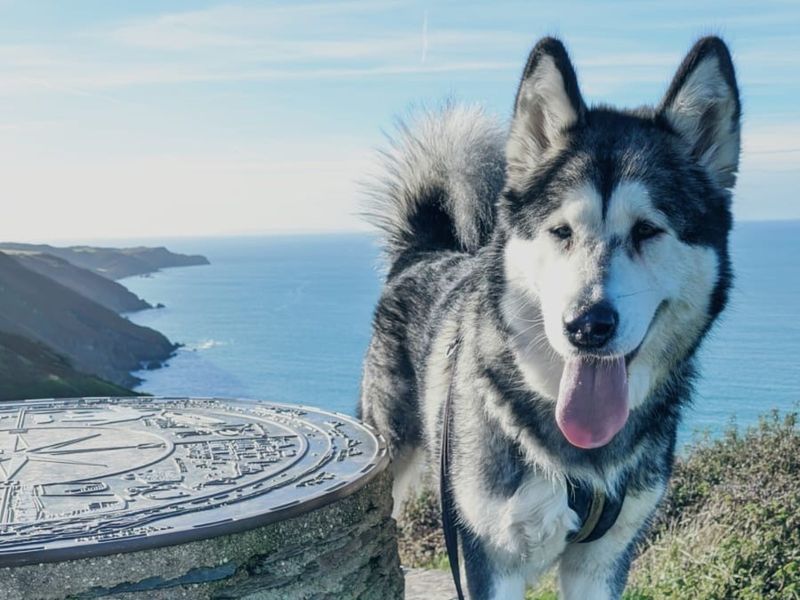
(83, 472)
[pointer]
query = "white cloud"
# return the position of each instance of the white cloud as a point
(233, 26)
(232, 43)
(85, 78)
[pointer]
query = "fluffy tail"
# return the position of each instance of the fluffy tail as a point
(438, 183)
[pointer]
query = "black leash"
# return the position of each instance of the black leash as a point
(446, 493)
(596, 511)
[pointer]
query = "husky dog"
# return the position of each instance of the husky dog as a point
(576, 260)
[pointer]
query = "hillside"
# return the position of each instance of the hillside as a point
(113, 263)
(31, 370)
(110, 294)
(94, 338)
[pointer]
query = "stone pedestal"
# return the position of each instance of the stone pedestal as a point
(184, 498)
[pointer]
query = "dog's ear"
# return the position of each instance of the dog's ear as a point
(548, 104)
(702, 106)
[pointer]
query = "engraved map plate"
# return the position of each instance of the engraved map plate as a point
(95, 476)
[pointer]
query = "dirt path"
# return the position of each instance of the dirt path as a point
(424, 584)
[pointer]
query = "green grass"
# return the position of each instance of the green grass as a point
(729, 526)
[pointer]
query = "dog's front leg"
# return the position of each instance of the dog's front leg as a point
(510, 540)
(599, 570)
(487, 578)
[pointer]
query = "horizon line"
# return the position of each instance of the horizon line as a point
(77, 240)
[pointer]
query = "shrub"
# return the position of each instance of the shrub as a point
(420, 537)
(729, 526)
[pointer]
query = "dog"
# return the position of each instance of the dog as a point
(551, 282)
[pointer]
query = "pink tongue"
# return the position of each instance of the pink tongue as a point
(592, 401)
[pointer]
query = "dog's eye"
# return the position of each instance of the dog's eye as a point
(644, 230)
(562, 232)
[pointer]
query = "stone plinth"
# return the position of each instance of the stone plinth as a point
(192, 498)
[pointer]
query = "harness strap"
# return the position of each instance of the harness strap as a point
(445, 490)
(595, 511)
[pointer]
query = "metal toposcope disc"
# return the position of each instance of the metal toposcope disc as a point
(96, 476)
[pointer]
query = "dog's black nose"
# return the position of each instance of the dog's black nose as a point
(593, 327)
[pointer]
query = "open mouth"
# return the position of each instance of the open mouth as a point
(592, 404)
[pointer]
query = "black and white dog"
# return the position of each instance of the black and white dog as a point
(576, 260)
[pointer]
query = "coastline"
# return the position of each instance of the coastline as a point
(65, 327)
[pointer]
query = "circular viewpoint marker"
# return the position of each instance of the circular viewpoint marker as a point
(96, 476)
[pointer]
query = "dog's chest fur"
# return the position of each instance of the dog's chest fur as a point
(528, 528)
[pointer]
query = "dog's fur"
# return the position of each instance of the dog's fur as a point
(474, 217)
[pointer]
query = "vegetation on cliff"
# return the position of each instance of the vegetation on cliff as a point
(729, 526)
(29, 369)
(95, 339)
(104, 291)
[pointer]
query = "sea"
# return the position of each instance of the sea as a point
(287, 319)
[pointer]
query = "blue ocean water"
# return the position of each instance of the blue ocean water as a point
(287, 318)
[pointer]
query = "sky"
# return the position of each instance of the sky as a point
(162, 119)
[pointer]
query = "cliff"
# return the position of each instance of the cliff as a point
(94, 338)
(29, 369)
(106, 292)
(113, 263)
